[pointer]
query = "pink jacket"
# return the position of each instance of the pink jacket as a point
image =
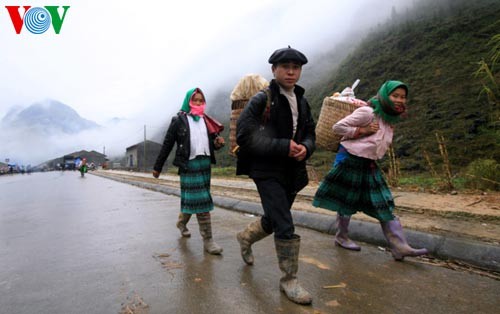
(373, 146)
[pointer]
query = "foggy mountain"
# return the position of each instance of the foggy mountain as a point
(149, 90)
(49, 117)
(438, 55)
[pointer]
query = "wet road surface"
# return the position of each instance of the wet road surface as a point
(92, 245)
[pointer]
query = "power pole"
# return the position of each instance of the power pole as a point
(144, 148)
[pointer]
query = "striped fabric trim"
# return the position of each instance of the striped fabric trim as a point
(356, 184)
(195, 186)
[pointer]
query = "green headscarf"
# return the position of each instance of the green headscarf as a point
(383, 106)
(185, 105)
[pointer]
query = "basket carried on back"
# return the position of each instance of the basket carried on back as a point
(237, 107)
(248, 86)
(332, 110)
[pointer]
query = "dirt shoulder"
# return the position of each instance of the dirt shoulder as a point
(473, 216)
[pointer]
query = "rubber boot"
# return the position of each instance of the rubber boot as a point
(206, 233)
(182, 224)
(341, 238)
(393, 232)
(288, 260)
(252, 233)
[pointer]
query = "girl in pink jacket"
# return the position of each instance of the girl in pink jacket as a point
(355, 183)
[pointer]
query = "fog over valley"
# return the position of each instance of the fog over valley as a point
(118, 68)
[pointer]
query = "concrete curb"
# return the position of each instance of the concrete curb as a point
(473, 252)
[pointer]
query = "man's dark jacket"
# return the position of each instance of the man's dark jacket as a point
(178, 133)
(264, 147)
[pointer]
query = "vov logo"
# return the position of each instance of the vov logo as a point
(37, 19)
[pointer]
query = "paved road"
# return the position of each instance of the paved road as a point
(465, 216)
(240, 195)
(92, 245)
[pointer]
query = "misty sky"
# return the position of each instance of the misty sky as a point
(136, 59)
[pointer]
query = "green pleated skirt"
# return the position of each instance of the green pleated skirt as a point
(195, 186)
(356, 184)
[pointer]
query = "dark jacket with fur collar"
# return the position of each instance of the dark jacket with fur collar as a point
(178, 133)
(264, 148)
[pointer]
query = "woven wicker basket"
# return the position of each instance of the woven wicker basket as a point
(332, 111)
(237, 107)
(247, 86)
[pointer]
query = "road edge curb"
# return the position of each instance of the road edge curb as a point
(473, 252)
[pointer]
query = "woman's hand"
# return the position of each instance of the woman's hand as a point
(156, 174)
(368, 130)
(219, 142)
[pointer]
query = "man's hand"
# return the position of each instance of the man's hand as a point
(297, 151)
(156, 174)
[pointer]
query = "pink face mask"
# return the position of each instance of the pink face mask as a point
(197, 110)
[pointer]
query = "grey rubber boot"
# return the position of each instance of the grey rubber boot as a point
(182, 224)
(206, 233)
(252, 233)
(288, 260)
(393, 232)
(341, 238)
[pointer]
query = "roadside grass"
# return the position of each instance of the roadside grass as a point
(429, 182)
(407, 181)
(228, 172)
(224, 172)
(423, 182)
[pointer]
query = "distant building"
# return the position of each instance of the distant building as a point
(94, 157)
(138, 161)
(4, 168)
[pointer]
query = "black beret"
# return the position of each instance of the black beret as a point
(287, 55)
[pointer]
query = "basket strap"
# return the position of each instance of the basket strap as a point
(267, 110)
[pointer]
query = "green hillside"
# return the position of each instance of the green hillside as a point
(435, 48)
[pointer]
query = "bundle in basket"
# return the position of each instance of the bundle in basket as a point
(332, 110)
(248, 86)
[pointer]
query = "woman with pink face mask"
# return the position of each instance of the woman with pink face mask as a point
(197, 137)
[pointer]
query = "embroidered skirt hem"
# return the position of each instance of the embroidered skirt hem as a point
(356, 184)
(195, 186)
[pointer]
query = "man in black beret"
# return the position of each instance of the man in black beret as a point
(275, 133)
(285, 55)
